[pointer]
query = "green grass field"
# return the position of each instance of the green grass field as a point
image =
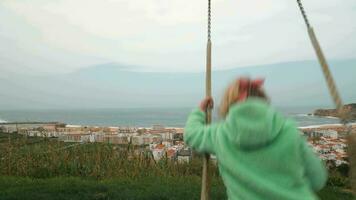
(149, 188)
(34, 169)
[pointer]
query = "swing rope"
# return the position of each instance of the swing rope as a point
(205, 187)
(324, 65)
(343, 114)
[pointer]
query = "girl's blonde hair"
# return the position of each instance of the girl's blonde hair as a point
(231, 95)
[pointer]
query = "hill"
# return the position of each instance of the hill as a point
(349, 108)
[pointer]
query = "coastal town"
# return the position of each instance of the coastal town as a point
(328, 141)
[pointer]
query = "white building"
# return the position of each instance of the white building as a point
(158, 153)
(137, 140)
(87, 138)
(184, 155)
(324, 133)
(329, 133)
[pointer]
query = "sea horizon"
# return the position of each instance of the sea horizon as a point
(141, 117)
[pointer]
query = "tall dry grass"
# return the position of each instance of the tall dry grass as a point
(41, 158)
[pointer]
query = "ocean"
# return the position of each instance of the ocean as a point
(138, 117)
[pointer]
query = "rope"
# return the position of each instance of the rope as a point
(209, 20)
(303, 13)
(327, 74)
(324, 65)
(205, 171)
(344, 116)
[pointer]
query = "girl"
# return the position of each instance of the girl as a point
(261, 154)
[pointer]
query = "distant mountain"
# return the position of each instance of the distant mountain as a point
(113, 85)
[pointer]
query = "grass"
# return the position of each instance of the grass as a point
(34, 168)
(149, 188)
(45, 159)
(334, 193)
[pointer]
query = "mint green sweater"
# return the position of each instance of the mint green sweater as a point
(261, 155)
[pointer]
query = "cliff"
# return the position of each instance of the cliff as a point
(349, 108)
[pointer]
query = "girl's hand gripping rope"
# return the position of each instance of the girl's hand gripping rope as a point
(206, 103)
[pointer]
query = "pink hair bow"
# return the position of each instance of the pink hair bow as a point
(245, 86)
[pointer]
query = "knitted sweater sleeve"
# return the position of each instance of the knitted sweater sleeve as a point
(315, 170)
(199, 135)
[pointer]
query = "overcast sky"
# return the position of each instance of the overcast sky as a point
(168, 35)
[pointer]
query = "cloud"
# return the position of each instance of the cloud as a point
(161, 35)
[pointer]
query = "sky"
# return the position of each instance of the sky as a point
(41, 36)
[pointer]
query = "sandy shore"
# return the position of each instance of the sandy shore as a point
(336, 127)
